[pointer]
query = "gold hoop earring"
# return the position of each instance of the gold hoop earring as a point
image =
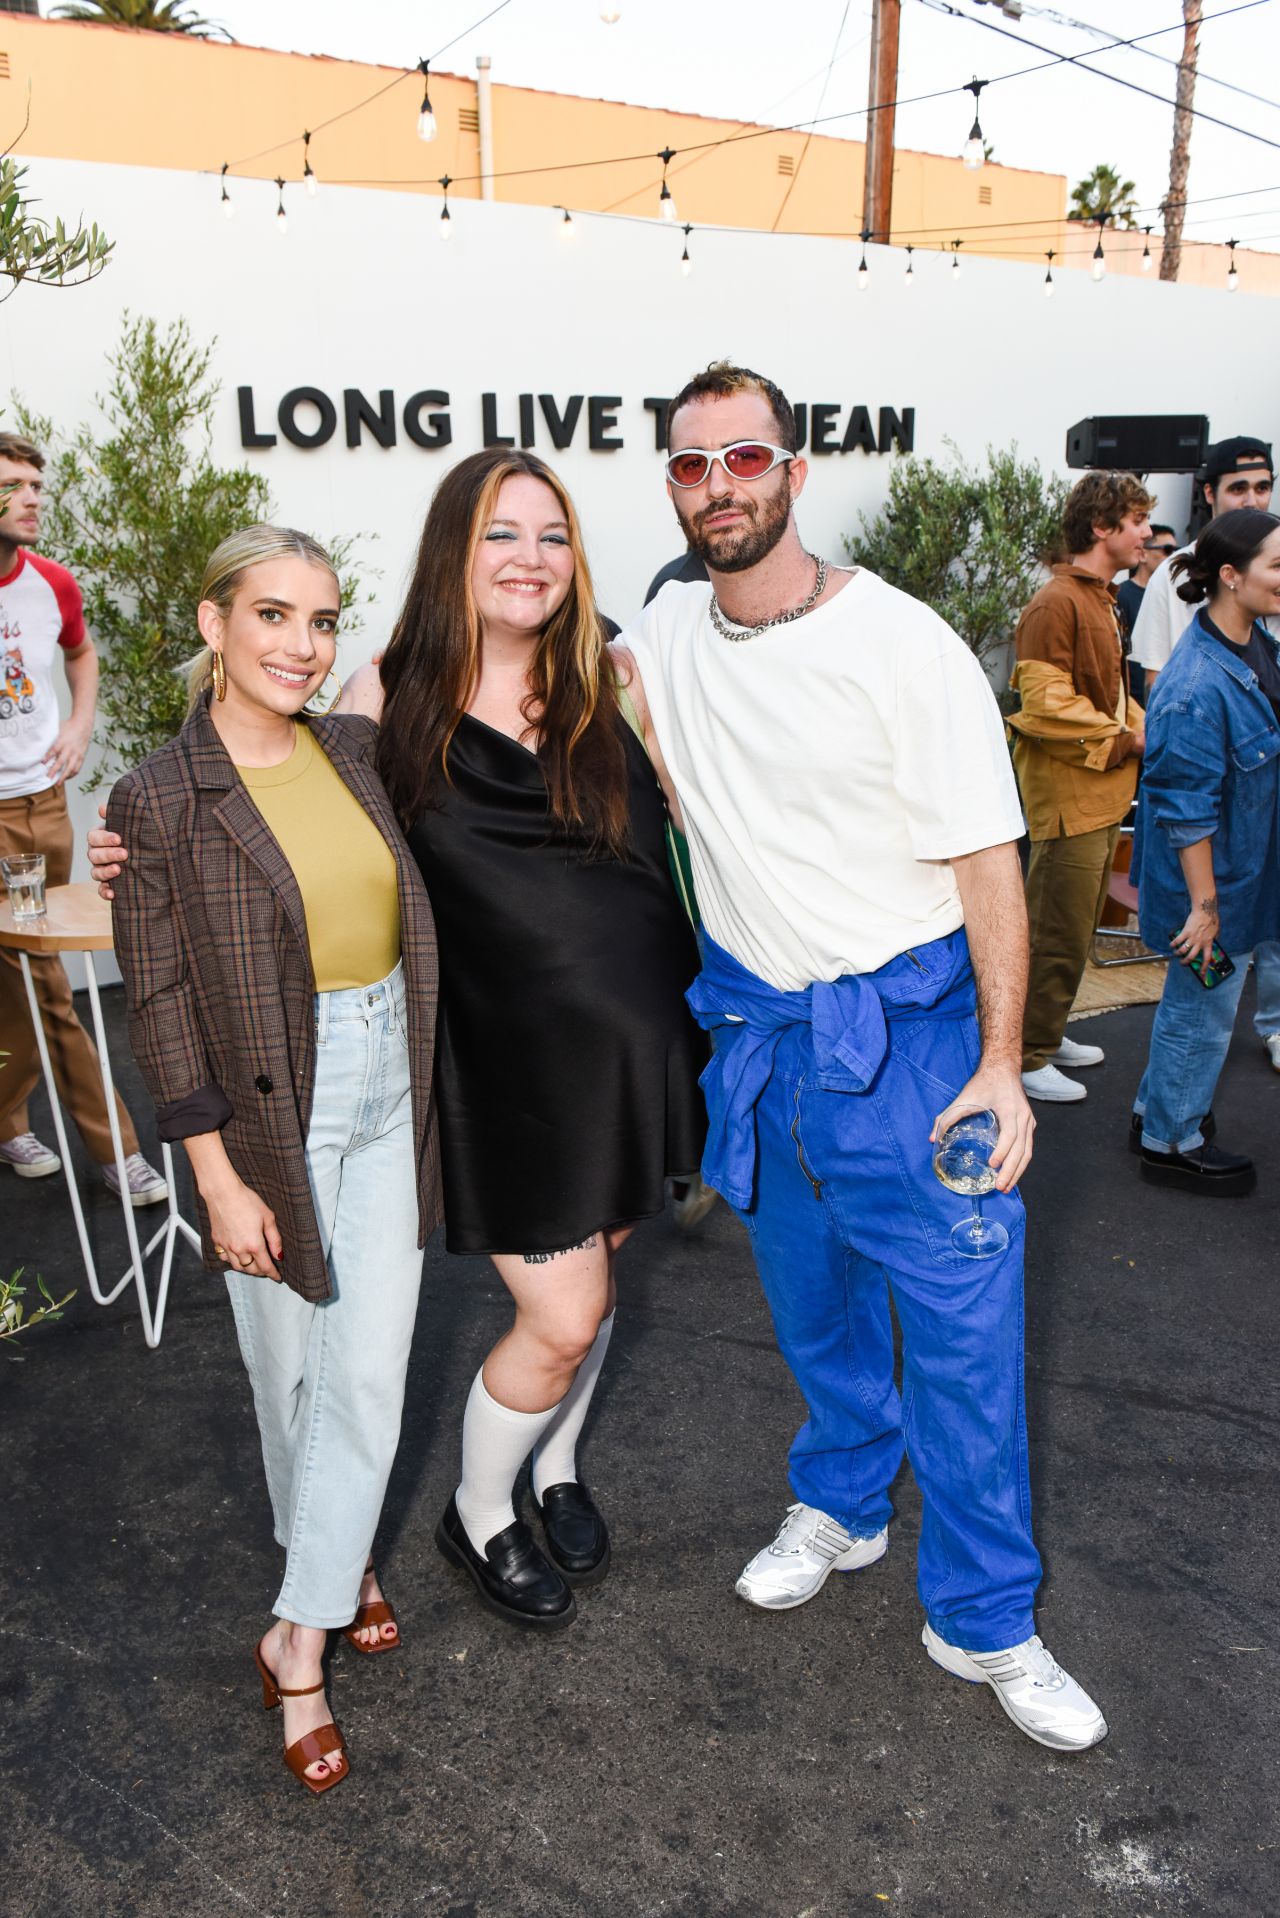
(219, 677)
(320, 711)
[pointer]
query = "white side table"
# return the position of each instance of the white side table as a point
(79, 921)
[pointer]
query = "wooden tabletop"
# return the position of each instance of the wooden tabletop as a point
(77, 921)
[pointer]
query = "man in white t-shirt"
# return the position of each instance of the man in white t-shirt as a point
(42, 622)
(1237, 472)
(852, 818)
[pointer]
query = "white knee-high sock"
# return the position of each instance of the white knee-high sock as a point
(495, 1443)
(555, 1460)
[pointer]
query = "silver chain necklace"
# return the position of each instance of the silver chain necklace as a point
(739, 631)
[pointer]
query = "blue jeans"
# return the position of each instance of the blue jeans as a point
(1189, 1041)
(827, 1259)
(1266, 966)
(328, 1379)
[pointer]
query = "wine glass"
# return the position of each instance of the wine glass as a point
(960, 1162)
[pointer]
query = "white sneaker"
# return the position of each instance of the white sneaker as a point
(28, 1158)
(1071, 1054)
(1272, 1043)
(1042, 1700)
(1048, 1083)
(146, 1187)
(808, 1548)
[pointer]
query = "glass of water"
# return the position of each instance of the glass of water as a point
(960, 1162)
(24, 876)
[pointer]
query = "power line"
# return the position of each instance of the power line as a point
(826, 81)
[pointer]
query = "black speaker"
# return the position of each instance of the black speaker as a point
(1141, 442)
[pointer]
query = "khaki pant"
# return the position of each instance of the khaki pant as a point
(1067, 881)
(39, 823)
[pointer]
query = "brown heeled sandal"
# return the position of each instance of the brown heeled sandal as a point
(379, 1614)
(322, 1746)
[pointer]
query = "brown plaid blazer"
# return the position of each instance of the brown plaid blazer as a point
(211, 936)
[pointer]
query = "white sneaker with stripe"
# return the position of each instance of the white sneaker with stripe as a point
(808, 1548)
(1042, 1700)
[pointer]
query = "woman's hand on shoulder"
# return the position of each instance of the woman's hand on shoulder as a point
(362, 692)
(107, 855)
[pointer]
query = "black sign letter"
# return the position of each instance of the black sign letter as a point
(602, 417)
(659, 410)
(526, 419)
(824, 438)
(801, 412)
(440, 431)
(249, 434)
(307, 396)
(561, 428)
(358, 413)
(858, 432)
(897, 427)
(489, 417)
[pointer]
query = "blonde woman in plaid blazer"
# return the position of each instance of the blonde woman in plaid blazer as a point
(279, 960)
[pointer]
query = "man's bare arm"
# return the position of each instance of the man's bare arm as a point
(66, 755)
(995, 917)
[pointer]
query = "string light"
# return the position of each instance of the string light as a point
(426, 118)
(686, 264)
(1049, 288)
(282, 218)
(955, 258)
(974, 147)
(611, 15)
(909, 277)
(1099, 257)
(863, 274)
(446, 219)
(666, 205)
(1233, 278)
(1146, 251)
(567, 229)
(228, 204)
(309, 180)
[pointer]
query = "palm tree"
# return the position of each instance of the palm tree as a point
(1103, 195)
(153, 16)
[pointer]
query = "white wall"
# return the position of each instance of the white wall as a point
(359, 292)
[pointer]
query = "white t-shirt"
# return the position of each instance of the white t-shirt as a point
(40, 610)
(1163, 618)
(827, 771)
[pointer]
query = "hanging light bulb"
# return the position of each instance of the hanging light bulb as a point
(446, 220)
(228, 204)
(1146, 251)
(567, 229)
(975, 146)
(426, 118)
(955, 258)
(611, 15)
(1049, 288)
(666, 204)
(863, 272)
(1099, 257)
(282, 218)
(909, 277)
(309, 180)
(686, 264)
(1233, 278)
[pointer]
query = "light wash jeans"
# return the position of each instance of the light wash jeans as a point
(1189, 1041)
(1266, 965)
(328, 1379)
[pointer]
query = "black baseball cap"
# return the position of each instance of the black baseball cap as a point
(1224, 456)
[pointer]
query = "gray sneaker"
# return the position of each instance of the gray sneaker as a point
(146, 1187)
(810, 1546)
(28, 1158)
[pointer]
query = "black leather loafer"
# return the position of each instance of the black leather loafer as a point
(1214, 1174)
(1208, 1126)
(577, 1537)
(512, 1577)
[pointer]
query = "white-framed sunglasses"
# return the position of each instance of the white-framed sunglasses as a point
(744, 460)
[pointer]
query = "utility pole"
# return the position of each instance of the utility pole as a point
(882, 91)
(1180, 157)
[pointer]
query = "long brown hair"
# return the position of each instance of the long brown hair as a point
(432, 663)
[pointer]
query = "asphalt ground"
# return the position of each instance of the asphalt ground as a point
(675, 1752)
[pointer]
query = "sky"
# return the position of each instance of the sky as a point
(759, 60)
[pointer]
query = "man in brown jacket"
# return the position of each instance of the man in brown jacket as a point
(1078, 740)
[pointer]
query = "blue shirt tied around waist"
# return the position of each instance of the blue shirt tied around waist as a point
(1211, 771)
(848, 1020)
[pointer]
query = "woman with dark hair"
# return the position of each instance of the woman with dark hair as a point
(1207, 849)
(567, 1061)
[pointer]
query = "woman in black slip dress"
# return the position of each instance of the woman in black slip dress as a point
(567, 1061)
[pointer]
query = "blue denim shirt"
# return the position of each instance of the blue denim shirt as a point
(1211, 771)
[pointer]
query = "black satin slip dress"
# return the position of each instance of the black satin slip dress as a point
(566, 1059)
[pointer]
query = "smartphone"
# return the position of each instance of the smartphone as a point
(1218, 968)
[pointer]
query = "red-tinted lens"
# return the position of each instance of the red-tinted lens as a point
(687, 469)
(748, 462)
